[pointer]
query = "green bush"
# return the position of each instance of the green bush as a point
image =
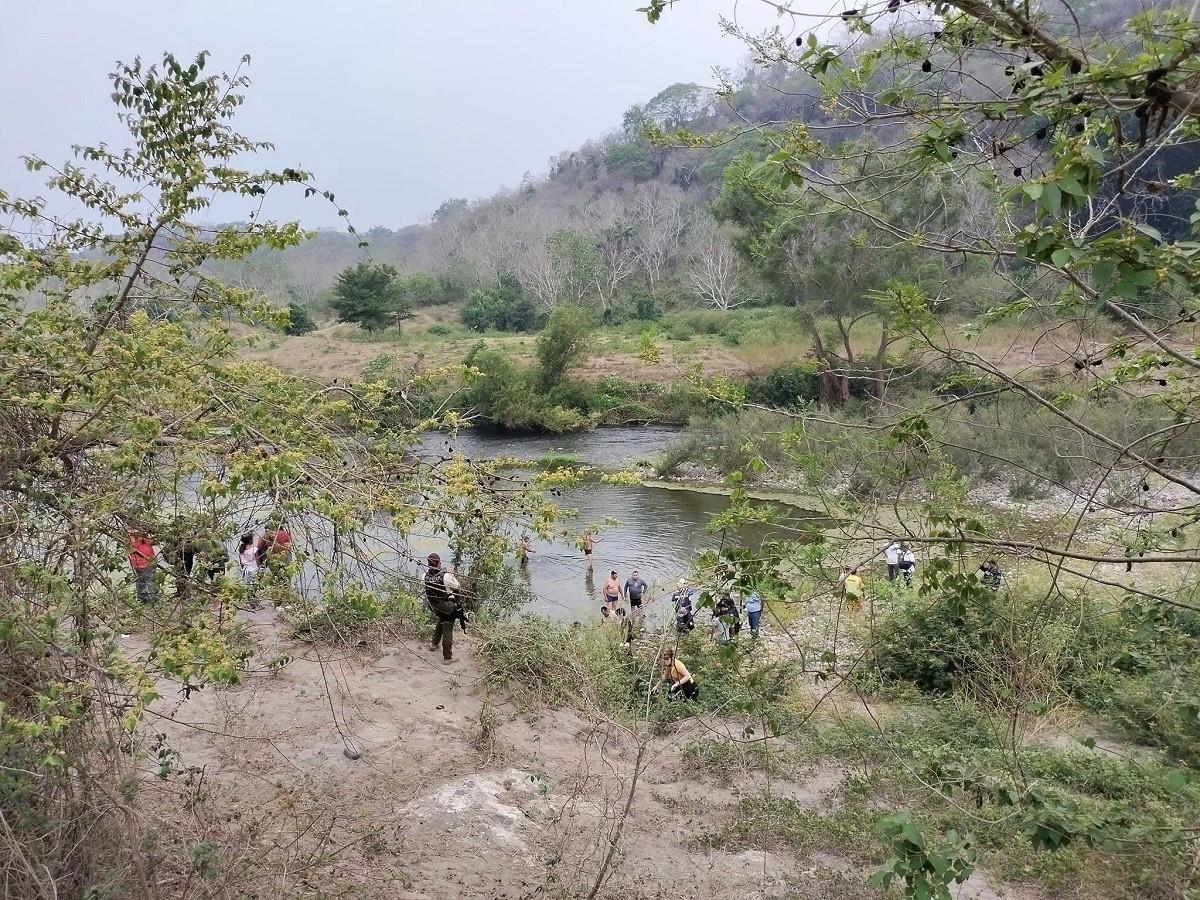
(784, 387)
(299, 321)
(502, 307)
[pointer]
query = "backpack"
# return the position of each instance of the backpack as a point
(438, 595)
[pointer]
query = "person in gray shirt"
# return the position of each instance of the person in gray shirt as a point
(634, 589)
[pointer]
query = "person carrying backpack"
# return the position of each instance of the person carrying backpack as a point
(685, 614)
(442, 593)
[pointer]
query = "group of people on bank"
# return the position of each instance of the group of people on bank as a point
(191, 557)
(901, 563)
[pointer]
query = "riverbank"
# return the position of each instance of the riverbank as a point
(514, 771)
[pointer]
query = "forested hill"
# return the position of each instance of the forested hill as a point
(626, 224)
(615, 216)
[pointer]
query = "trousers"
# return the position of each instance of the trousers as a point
(443, 632)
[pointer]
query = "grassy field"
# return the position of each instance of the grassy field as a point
(738, 344)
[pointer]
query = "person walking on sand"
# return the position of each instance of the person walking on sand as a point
(682, 686)
(442, 591)
(588, 543)
(891, 555)
(142, 557)
(612, 589)
(634, 589)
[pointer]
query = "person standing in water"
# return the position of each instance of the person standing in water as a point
(525, 550)
(588, 543)
(635, 588)
(612, 589)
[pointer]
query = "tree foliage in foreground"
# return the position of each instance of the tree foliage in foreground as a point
(125, 411)
(1069, 133)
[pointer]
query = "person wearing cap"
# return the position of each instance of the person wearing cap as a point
(442, 591)
(612, 589)
(685, 615)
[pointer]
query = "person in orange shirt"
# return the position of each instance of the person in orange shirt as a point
(682, 684)
(142, 557)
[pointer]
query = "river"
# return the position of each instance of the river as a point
(658, 530)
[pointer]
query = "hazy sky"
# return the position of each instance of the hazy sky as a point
(395, 104)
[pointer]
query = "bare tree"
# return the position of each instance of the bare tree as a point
(662, 224)
(615, 228)
(714, 267)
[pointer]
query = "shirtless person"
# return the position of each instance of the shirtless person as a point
(612, 589)
(589, 545)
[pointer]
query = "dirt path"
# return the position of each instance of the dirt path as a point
(457, 793)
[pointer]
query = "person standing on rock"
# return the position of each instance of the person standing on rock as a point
(754, 611)
(852, 587)
(908, 563)
(142, 559)
(442, 592)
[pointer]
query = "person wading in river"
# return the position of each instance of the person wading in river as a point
(525, 550)
(442, 591)
(634, 589)
(588, 544)
(612, 589)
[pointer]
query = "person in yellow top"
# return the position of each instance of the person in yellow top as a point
(852, 586)
(683, 685)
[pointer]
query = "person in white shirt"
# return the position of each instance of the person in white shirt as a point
(891, 555)
(908, 563)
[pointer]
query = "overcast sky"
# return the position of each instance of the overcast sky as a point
(395, 104)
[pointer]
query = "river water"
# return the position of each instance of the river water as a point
(657, 530)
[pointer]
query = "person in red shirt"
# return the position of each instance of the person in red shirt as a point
(281, 543)
(142, 557)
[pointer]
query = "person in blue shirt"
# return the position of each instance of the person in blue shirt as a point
(754, 611)
(634, 589)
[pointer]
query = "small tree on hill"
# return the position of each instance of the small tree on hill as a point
(371, 296)
(561, 344)
(299, 320)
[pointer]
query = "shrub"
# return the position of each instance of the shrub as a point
(299, 321)
(561, 344)
(784, 387)
(502, 307)
(632, 160)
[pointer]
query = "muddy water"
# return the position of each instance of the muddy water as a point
(659, 531)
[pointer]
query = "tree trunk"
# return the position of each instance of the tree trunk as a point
(880, 385)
